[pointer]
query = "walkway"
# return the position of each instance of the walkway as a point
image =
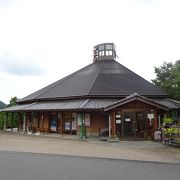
(91, 147)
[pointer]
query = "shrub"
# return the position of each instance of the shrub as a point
(168, 120)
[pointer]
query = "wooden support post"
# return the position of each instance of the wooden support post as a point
(70, 123)
(24, 123)
(28, 115)
(113, 125)
(12, 121)
(62, 123)
(155, 120)
(159, 122)
(19, 119)
(135, 125)
(5, 121)
(122, 126)
(38, 119)
(109, 126)
(42, 118)
(48, 122)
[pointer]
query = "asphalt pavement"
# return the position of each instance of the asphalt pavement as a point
(34, 166)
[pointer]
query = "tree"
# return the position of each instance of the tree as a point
(11, 116)
(168, 78)
(176, 72)
(13, 101)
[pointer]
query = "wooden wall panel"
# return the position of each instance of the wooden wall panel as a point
(46, 121)
(97, 122)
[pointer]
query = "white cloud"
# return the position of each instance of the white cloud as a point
(58, 36)
(6, 3)
(21, 66)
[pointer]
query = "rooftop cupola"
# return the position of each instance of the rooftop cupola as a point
(105, 51)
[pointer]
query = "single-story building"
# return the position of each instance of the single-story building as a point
(104, 95)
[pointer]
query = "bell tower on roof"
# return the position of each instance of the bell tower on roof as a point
(105, 51)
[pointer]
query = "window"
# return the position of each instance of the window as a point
(108, 47)
(108, 52)
(101, 47)
(101, 53)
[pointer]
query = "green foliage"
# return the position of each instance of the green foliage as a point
(169, 131)
(168, 120)
(177, 130)
(177, 80)
(177, 141)
(12, 119)
(13, 101)
(168, 78)
(1, 121)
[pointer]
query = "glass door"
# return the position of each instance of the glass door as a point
(128, 120)
(140, 124)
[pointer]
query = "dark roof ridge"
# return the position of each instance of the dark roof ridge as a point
(84, 103)
(96, 77)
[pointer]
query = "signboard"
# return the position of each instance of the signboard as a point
(150, 116)
(53, 125)
(87, 119)
(118, 121)
(67, 126)
(118, 116)
(127, 119)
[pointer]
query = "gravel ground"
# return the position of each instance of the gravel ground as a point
(91, 147)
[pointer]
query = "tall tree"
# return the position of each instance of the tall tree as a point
(168, 78)
(176, 71)
(13, 101)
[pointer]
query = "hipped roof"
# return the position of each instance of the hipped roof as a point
(105, 78)
(92, 104)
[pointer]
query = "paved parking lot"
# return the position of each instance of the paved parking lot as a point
(91, 147)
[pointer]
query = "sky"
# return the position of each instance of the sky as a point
(42, 41)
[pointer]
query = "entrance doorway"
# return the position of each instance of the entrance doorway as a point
(140, 124)
(134, 124)
(128, 119)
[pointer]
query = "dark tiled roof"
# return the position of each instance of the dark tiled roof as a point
(92, 104)
(76, 84)
(75, 104)
(99, 103)
(115, 79)
(16, 107)
(170, 103)
(106, 78)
